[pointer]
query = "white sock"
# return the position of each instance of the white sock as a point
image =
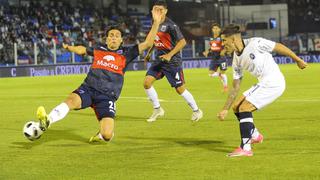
(58, 113)
(215, 74)
(190, 100)
(247, 147)
(224, 80)
(153, 97)
(255, 133)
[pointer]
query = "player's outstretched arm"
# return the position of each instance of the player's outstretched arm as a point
(156, 16)
(284, 50)
(231, 98)
(81, 50)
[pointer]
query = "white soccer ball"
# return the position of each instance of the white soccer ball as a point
(32, 131)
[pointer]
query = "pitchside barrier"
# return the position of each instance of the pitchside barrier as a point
(68, 69)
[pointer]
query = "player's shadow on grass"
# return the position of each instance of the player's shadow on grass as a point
(211, 145)
(52, 135)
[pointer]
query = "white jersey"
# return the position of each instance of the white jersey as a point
(256, 58)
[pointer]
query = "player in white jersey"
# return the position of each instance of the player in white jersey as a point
(253, 55)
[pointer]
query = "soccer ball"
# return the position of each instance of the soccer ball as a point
(32, 131)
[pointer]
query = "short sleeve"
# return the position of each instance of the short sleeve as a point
(132, 53)
(265, 45)
(177, 32)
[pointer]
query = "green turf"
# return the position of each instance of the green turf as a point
(170, 148)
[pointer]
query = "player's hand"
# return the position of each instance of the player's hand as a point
(156, 15)
(301, 64)
(205, 53)
(165, 57)
(65, 46)
(222, 115)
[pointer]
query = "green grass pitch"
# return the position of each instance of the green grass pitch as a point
(170, 148)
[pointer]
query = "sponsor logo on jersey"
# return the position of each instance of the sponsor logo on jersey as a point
(109, 61)
(106, 64)
(109, 58)
(163, 41)
(216, 45)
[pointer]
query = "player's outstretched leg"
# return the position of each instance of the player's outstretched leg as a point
(58, 113)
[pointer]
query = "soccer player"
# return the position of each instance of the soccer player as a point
(253, 55)
(215, 52)
(168, 42)
(102, 86)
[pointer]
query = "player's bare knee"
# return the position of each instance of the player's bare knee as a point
(180, 89)
(147, 84)
(73, 101)
(107, 135)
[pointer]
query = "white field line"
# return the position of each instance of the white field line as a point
(145, 99)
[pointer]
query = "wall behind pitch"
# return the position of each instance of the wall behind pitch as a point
(261, 13)
(68, 69)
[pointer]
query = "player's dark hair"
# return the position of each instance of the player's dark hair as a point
(215, 24)
(114, 27)
(160, 3)
(230, 30)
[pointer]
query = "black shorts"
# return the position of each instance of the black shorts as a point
(103, 106)
(174, 74)
(215, 64)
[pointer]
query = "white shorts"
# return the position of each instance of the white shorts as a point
(265, 92)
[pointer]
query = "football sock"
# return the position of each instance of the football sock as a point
(153, 97)
(246, 129)
(215, 74)
(224, 80)
(190, 100)
(255, 133)
(58, 113)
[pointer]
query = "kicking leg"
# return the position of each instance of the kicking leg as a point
(73, 101)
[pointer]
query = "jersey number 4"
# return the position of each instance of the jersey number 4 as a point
(177, 77)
